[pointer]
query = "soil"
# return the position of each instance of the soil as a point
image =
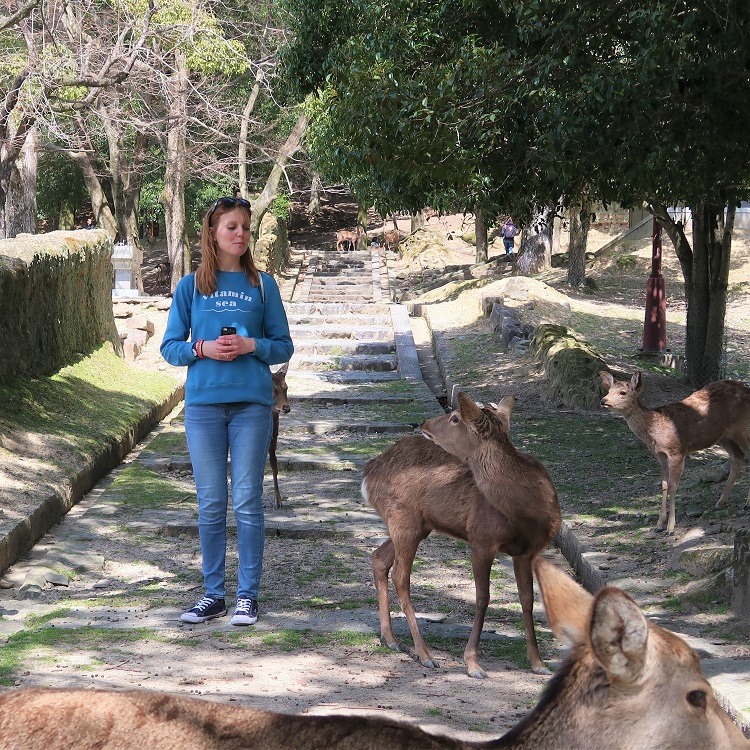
(293, 660)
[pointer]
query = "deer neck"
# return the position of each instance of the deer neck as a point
(640, 419)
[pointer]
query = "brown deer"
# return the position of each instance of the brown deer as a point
(470, 483)
(626, 685)
(391, 239)
(280, 405)
(346, 240)
(717, 414)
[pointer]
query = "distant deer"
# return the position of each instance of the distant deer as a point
(470, 483)
(717, 414)
(280, 405)
(626, 685)
(391, 239)
(346, 240)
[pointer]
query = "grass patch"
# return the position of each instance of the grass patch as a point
(53, 643)
(84, 406)
(142, 488)
(168, 442)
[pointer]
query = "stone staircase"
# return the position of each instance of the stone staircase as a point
(355, 382)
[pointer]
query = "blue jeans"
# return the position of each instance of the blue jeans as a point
(214, 432)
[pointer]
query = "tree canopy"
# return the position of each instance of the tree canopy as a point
(522, 104)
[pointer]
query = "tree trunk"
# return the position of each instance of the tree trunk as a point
(313, 207)
(244, 129)
(103, 216)
(535, 253)
(480, 233)
(418, 221)
(270, 189)
(21, 205)
(580, 219)
(707, 300)
(172, 197)
(361, 228)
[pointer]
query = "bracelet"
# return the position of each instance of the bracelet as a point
(198, 349)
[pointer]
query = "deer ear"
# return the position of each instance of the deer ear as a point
(567, 604)
(283, 367)
(619, 635)
(607, 378)
(503, 410)
(636, 382)
(470, 412)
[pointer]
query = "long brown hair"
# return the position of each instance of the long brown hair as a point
(205, 276)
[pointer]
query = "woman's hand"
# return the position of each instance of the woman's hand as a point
(227, 348)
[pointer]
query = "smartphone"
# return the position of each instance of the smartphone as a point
(228, 330)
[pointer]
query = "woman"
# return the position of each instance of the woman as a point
(237, 326)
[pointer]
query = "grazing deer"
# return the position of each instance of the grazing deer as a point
(280, 405)
(470, 483)
(717, 414)
(626, 685)
(346, 239)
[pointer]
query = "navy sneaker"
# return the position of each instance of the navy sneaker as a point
(206, 609)
(246, 612)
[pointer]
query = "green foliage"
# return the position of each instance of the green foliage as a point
(525, 102)
(59, 181)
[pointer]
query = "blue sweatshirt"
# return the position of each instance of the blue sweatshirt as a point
(237, 303)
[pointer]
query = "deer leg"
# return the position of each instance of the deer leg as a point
(273, 461)
(737, 454)
(382, 562)
(676, 465)
(401, 577)
(525, 583)
(664, 491)
(481, 563)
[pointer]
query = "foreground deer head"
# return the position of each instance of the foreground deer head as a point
(717, 414)
(482, 491)
(626, 685)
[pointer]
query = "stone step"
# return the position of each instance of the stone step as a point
(364, 333)
(336, 308)
(346, 363)
(325, 427)
(332, 347)
(348, 378)
(346, 319)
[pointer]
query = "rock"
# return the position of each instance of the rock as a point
(702, 561)
(57, 579)
(141, 323)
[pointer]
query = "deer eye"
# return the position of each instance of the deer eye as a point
(697, 698)
(455, 419)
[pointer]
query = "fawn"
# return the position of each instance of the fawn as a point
(280, 405)
(468, 482)
(717, 414)
(627, 684)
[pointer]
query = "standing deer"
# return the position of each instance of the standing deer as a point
(717, 414)
(626, 685)
(470, 483)
(346, 239)
(280, 404)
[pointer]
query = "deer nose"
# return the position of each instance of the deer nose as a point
(286, 408)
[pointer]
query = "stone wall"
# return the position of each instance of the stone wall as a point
(55, 300)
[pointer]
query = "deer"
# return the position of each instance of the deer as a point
(717, 414)
(345, 238)
(469, 482)
(626, 684)
(391, 239)
(280, 406)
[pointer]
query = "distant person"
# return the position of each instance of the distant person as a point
(90, 223)
(236, 325)
(508, 231)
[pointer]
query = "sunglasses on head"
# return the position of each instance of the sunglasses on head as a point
(228, 203)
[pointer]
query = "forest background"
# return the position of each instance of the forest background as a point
(143, 112)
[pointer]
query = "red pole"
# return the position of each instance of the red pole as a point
(655, 325)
